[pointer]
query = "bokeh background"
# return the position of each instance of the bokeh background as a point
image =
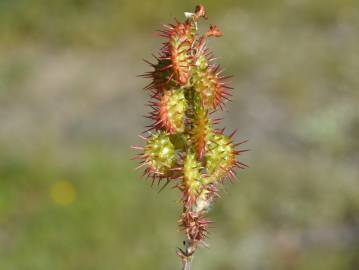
(71, 105)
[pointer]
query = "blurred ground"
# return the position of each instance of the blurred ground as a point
(71, 104)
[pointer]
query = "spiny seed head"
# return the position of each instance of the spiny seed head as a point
(195, 226)
(220, 156)
(185, 89)
(177, 50)
(172, 110)
(159, 153)
(209, 86)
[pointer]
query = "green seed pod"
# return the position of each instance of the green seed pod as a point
(220, 157)
(209, 84)
(173, 106)
(159, 154)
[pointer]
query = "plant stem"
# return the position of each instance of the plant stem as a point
(187, 254)
(186, 263)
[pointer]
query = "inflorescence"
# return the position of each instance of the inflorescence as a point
(182, 144)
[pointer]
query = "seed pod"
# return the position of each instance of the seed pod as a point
(195, 225)
(220, 157)
(210, 85)
(177, 49)
(159, 155)
(170, 112)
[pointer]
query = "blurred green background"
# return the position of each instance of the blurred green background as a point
(71, 105)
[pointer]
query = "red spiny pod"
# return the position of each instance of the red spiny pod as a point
(195, 225)
(177, 49)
